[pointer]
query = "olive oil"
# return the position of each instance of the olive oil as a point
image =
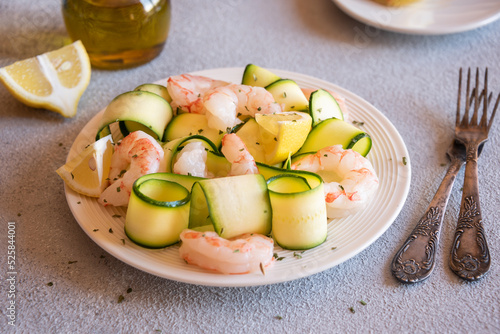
(118, 33)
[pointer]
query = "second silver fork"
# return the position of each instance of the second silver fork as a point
(470, 257)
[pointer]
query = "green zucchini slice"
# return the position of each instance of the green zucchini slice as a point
(157, 213)
(336, 132)
(322, 105)
(187, 124)
(234, 205)
(151, 111)
(156, 89)
(299, 211)
(254, 75)
(287, 92)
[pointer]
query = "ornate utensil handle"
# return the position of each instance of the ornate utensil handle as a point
(414, 261)
(470, 257)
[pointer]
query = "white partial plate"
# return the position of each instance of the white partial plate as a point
(426, 17)
(348, 236)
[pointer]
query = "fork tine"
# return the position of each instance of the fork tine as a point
(494, 112)
(477, 100)
(486, 101)
(467, 99)
(457, 118)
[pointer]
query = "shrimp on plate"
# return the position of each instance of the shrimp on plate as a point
(339, 98)
(192, 160)
(224, 104)
(187, 91)
(350, 180)
(136, 155)
(240, 255)
(236, 152)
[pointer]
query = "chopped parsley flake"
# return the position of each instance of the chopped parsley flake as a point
(120, 298)
(129, 290)
(298, 255)
(110, 230)
(352, 310)
(95, 230)
(404, 161)
(362, 302)
(116, 216)
(50, 284)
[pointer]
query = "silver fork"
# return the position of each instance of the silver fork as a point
(414, 261)
(470, 256)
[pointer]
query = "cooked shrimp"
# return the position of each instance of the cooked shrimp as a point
(350, 180)
(240, 255)
(187, 91)
(192, 160)
(339, 98)
(223, 105)
(136, 155)
(236, 152)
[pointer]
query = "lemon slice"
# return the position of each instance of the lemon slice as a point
(87, 173)
(54, 80)
(283, 134)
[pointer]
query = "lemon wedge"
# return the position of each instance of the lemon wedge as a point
(282, 134)
(87, 173)
(54, 80)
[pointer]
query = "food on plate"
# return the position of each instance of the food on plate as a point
(158, 210)
(257, 76)
(237, 154)
(225, 105)
(87, 173)
(136, 110)
(322, 106)
(396, 3)
(341, 103)
(334, 131)
(192, 160)
(282, 134)
(224, 159)
(231, 206)
(187, 124)
(350, 180)
(187, 91)
(136, 155)
(156, 89)
(299, 212)
(241, 255)
(54, 80)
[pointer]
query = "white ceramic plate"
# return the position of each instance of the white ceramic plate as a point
(348, 236)
(426, 17)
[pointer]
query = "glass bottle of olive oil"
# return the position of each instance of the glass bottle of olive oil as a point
(118, 33)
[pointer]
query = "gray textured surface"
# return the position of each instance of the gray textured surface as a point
(411, 79)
